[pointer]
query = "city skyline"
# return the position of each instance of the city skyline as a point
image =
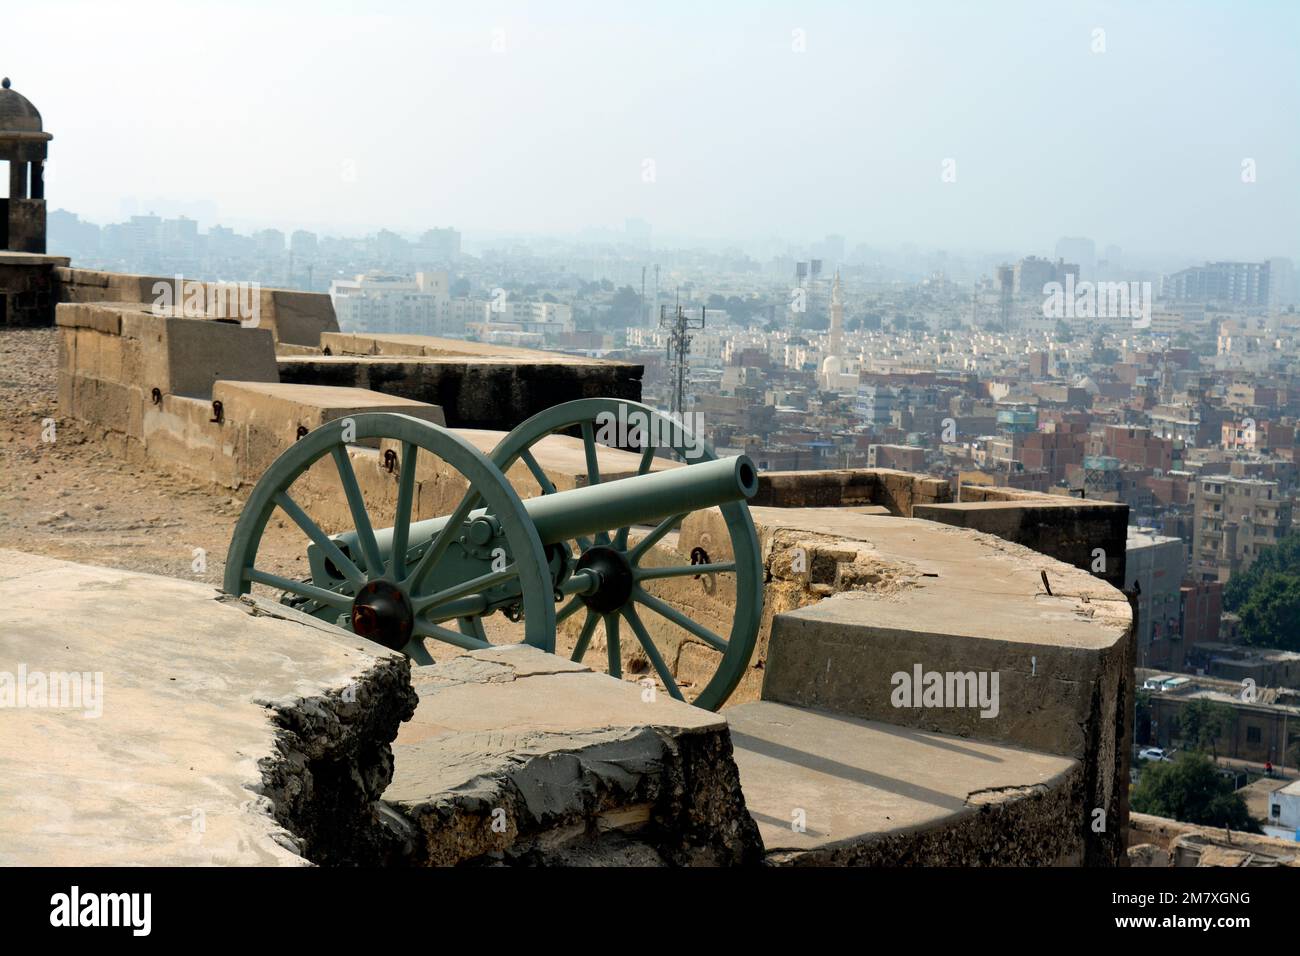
(1050, 129)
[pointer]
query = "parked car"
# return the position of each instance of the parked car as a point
(1154, 753)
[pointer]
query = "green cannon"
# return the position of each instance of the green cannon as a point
(536, 561)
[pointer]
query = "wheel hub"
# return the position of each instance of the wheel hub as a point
(615, 573)
(382, 613)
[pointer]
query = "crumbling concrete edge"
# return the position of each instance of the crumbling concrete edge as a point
(675, 794)
(333, 758)
(1031, 825)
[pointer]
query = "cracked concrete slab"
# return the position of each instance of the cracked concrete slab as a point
(222, 733)
(827, 789)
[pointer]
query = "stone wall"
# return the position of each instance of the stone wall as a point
(473, 391)
(1158, 841)
(478, 385)
(896, 491)
(116, 361)
(294, 318)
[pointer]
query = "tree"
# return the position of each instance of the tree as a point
(1202, 722)
(1270, 616)
(1267, 596)
(1283, 557)
(1191, 789)
(624, 308)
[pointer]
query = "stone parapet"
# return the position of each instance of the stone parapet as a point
(475, 389)
(897, 491)
(291, 316)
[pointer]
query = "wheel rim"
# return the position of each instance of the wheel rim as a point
(371, 585)
(738, 647)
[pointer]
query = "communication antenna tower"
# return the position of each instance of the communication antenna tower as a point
(679, 326)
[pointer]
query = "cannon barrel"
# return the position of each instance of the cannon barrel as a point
(642, 499)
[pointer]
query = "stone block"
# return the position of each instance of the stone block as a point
(605, 778)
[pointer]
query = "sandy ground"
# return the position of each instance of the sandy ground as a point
(69, 498)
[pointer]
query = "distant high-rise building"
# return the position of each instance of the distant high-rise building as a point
(270, 242)
(1031, 274)
(1223, 283)
(837, 318)
(377, 302)
(303, 244)
(1079, 250)
(1282, 285)
(439, 245)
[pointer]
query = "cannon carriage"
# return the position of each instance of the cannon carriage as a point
(592, 553)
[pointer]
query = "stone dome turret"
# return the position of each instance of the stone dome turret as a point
(17, 115)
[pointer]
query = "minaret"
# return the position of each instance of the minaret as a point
(837, 316)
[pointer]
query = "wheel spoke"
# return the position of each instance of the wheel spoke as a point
(417, 652)
(464, 641)
(650, 540)
(473, 586)
(472, 627)
(402, 517)
(301, 588)
(588, 628)
(652, 652)
(614, 651)
(470, 606)
(360, 517)
(439, 545)
(683, 570)
(333, 552)
(593, 468)
(547, 486)
(589, 446)
(677, 617)
(567, 611)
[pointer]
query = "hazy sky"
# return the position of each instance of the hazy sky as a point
(540, 118)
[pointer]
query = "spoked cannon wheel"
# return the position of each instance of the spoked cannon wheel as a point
(628, 579)
(389, 585)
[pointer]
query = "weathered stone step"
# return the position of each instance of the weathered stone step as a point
(830, 790)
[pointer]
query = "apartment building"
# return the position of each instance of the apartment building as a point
(1233, 519)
